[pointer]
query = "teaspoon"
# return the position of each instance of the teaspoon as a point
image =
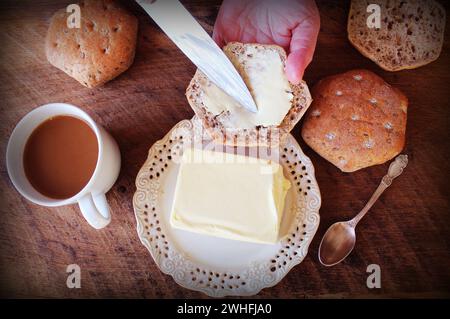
(339, 240)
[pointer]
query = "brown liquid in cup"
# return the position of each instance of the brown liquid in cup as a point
(60, 156)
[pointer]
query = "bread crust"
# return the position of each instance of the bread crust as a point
(101, 49)
(411, 33)
(222, 132)
(356, 120)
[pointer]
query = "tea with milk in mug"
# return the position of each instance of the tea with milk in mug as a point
(60, 156)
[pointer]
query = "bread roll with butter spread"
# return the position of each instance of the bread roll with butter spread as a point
(280, 103)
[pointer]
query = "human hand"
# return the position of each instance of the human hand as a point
(291, 24)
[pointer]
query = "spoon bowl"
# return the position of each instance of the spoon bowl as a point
(337, 243)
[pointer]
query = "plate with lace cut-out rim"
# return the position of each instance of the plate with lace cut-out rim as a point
(215, 266)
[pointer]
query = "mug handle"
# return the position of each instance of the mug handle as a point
(95, 210)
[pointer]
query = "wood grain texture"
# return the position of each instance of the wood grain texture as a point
(407, 232)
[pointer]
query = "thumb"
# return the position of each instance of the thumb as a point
(303, 44)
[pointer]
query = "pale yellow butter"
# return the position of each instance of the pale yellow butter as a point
(265, 77)
(229, 196)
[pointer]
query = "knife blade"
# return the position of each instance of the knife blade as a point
(189, 36)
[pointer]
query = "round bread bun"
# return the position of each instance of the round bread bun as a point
(101, 49)
(356, 120)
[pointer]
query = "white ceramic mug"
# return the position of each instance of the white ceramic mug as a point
(91, 198)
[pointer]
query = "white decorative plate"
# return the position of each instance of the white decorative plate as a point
(215, 266)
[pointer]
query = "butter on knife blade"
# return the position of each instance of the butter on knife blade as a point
(228, 196)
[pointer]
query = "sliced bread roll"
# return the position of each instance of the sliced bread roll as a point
(411, 33)
(280, 103)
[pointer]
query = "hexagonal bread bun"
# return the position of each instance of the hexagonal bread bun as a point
(280, 103)
(411, 32)
(356, 120)
(101, 49)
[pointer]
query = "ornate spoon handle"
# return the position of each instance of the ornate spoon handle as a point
(395, 169)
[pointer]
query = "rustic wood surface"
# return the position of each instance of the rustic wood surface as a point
(407, 232)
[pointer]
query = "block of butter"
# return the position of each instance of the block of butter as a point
(229, 196)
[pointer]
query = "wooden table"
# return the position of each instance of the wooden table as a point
(407, 232)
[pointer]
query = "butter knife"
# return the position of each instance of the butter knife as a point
(182, 28)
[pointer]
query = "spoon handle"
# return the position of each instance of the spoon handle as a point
(395, 169)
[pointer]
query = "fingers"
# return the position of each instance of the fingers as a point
(303, 44)
(217, 36)
(219, 30)
(296, 64)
